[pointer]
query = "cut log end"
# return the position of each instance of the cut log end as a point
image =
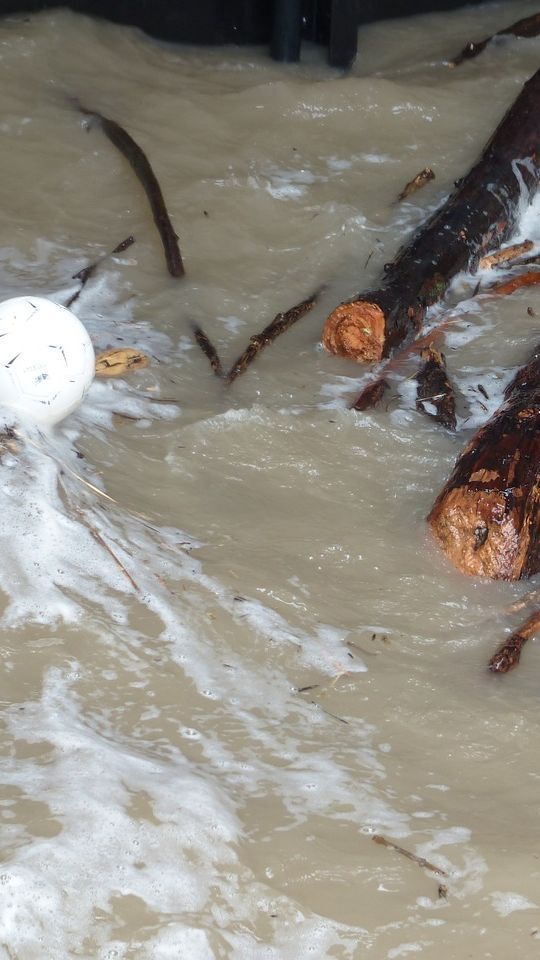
(479, 535)
(356, 330)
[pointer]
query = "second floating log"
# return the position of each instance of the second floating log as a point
(487, 517)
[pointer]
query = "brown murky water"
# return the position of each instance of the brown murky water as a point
(202, 733)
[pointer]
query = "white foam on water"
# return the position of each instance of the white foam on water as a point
(505, 903)
(87, 787)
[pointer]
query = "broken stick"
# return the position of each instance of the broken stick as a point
(87, 272)
(146, 176)
(479, 216)
(280, 323)
(507, 656)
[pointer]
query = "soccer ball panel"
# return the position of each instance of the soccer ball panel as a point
(47, 360)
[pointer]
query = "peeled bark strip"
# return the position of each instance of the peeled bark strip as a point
(505, 256)
(507, 656)
(479, 216)
(146, 176)
(530, 279)
(435, 394)
(487, 517)
(88, 271)
(528, 27)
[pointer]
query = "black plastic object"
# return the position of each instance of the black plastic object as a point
(282, 24)
(286, 30)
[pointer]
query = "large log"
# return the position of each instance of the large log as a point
(487, 517)
(478, 216)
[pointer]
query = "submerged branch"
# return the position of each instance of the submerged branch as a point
(146, 176)
(527, 27)
(87, 272)
(508, 655)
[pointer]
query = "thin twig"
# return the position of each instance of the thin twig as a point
(208, 349)
(146, 176)
(421, 861)
(97, 536)
(65, 466)
(280, 323)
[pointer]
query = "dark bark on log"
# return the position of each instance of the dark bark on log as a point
(528, 27)
(507, 656)
(435, 394)
(479, 216)
(147, 178)
(487, 517)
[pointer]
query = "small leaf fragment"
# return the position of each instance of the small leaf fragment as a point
(115, 363)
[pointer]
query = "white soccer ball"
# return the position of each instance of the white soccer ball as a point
(47, 361)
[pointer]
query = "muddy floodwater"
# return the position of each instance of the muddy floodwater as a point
(231, 653)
